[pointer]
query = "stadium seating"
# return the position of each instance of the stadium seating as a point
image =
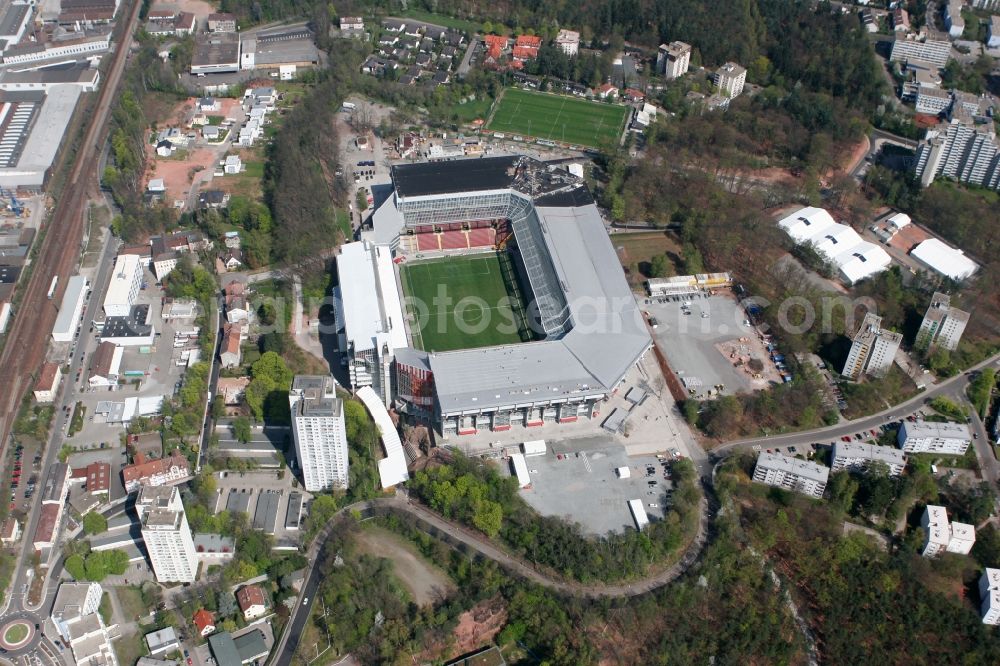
(454, 240)
(428, 242)
(482, 237)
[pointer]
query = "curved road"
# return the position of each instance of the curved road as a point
(484, 547)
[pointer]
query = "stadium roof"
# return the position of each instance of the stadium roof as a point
(392, 468)
(607, 337)
(448, 177)
(367, 320)
(947, 261)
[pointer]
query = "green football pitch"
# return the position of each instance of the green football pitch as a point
(558, 118)
(464, 302)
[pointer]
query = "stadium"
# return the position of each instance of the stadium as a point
(487, 296)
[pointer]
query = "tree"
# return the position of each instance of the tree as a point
(267, 314)
(487, 516)
(94, 523)
(241, 430)
(659, 266)
(76, 567)
(272, 366)
(256, 393)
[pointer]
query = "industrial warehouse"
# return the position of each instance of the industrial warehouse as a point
(533, 234)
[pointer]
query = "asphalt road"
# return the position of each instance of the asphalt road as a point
(953, 387)
(58, 255)
(485, 547)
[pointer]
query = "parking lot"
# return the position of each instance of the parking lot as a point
(711, 345)
(576, 480)
(274, 501)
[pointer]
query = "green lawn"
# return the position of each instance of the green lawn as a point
(482, 304)
(558, 118)
(440, 19)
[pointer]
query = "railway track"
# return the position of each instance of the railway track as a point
(28, 337)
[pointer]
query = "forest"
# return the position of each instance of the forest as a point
(480, 497)
(853, 592)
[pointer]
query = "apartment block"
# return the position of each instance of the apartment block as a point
(858, 455)
(873, 349)
(931, 437)
(167, 535)
(941, 535)
(789, 473)
(126, 280)
(989, 594)
(319, 432)
(963, 149)
(943, 325)
(936, 52)
(673, 59)
(730, 79)
(953, 20)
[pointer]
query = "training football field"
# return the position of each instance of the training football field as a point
(558, 118)
(464, 302)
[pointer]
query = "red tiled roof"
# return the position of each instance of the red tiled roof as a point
(45, 530)
(249, 596)
(203, 619)
(47, 377)
(496, 40)
(231, 341)
(525, 52)
(529, 40)
(143, 469)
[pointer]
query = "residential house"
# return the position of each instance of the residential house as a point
(162, 641)
(204, 622)
(230, 353)
(10, 532)
(233, 164)
(213, 199)
(48, 383)
(252, 601)
(164, 148)
(211, 132)
(606, 90)
(155, 472)
(208, 105)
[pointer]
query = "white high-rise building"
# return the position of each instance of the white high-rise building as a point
(930, 437)
(943, 325)
(964, 149)
(730, 79)
(673, 60)
(167, 535)
(873, 350)
(789, 473)
(989, 594)
(319, 431)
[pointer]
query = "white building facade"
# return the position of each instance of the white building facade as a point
(167, 535)
(873, 349)
(789, 473)
(858, 455)
(730, 79)
(126, 281)
(928, 437)
(320, 433)
(673, 60)
(942, 325)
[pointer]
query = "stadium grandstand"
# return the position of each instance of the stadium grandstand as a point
(511, 227)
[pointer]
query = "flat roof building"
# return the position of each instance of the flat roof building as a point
(319, 432)
(941, 535)
(789, 473)
(932, 437)
(166, 534)
(872, 350)
(33, 127)
(70, 309)
(673, 59)
(858, 455)
(126, 281)
(942, 325)
(216, 53)
(989, 595)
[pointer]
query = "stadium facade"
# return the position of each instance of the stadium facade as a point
(588, 328)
